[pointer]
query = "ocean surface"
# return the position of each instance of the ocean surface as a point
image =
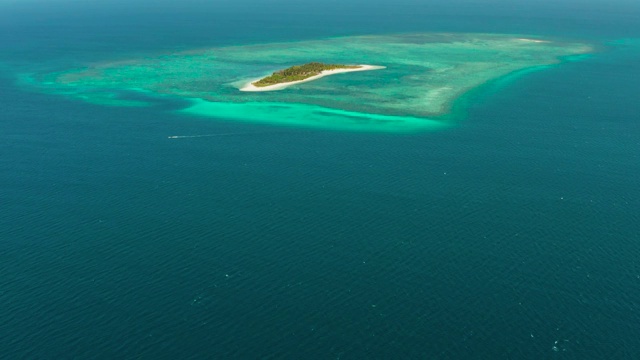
(147, 233)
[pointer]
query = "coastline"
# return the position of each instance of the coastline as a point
(250, 87)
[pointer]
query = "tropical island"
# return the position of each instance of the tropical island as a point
(302, 73)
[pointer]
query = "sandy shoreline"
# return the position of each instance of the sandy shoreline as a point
(250, 87)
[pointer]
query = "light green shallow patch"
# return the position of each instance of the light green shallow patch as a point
(425, 74)
(311, 116)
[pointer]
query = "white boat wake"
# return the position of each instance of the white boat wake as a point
(205, 135)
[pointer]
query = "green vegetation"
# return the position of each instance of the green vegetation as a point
(299, 72)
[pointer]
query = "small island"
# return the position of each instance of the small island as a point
(302, 73)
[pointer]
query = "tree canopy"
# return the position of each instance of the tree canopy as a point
(299, 72)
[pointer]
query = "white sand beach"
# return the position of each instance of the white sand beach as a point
(250, 87)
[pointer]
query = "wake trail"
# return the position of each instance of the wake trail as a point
(225, 134)
(205, 135)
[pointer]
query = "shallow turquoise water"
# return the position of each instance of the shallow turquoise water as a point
(513, 234)
(422, 76)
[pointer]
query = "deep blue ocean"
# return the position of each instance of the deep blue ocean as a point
(514, 234)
